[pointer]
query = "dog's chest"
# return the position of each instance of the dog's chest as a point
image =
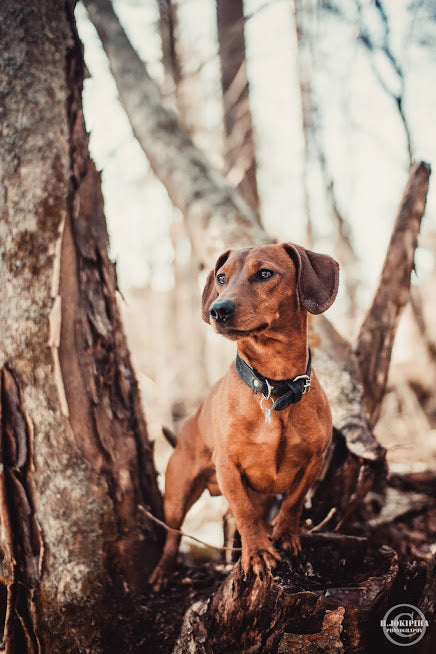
(272, 458)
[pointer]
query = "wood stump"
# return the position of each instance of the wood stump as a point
(329, 600)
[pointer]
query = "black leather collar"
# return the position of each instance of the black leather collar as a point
(287, 391)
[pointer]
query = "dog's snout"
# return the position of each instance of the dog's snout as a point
(222, 311)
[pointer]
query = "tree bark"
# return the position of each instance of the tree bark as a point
(216, 215)
(377, 333)
(167, 27)
(75, 456)
(239, 144)
(355, 459)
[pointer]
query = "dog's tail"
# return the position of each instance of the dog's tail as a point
(170, 436)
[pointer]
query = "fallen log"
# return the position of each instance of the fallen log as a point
(403, 516)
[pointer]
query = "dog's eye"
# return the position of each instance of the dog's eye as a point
(264, 273)
(221, 279)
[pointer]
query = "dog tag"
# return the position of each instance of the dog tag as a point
(267, 410)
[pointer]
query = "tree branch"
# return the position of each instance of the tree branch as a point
(378, 330)
(216, 216)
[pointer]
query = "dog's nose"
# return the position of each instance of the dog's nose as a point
(222, 311)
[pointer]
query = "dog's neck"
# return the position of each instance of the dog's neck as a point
(277, 358)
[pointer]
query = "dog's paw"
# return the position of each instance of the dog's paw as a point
(260, 560)
(288, 541)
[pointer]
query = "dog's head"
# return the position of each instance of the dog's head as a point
(260, 289)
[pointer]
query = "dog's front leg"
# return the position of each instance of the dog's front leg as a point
(286, 526)
(258, 552)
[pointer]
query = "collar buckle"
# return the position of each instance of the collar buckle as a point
(269, 387)
(307, 382)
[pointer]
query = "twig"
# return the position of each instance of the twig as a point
(143, 510)
(183, 533)
(323, 522)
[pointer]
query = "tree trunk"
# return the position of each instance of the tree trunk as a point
(75, 456)
(216, 215)
(239, 143)
(170, 61)
(186, 336)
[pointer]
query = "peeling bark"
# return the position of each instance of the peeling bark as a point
(101, 389)
(21, 533)
(355, 459)
(377, 333)
(74, 447)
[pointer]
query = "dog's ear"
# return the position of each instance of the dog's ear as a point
(210, 293)
(317, 278)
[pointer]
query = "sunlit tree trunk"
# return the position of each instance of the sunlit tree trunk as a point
(75, 456)
(239, 144)
(170, 61)
(185, 333)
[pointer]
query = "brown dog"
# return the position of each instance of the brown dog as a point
(254, 437)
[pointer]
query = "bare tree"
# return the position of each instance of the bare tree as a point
(239, 142)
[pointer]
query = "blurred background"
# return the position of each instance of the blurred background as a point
(314, 110)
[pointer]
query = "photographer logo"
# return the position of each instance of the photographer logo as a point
(404, 625)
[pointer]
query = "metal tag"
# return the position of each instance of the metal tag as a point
(267, 410)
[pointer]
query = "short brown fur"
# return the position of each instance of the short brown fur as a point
(226, 445)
